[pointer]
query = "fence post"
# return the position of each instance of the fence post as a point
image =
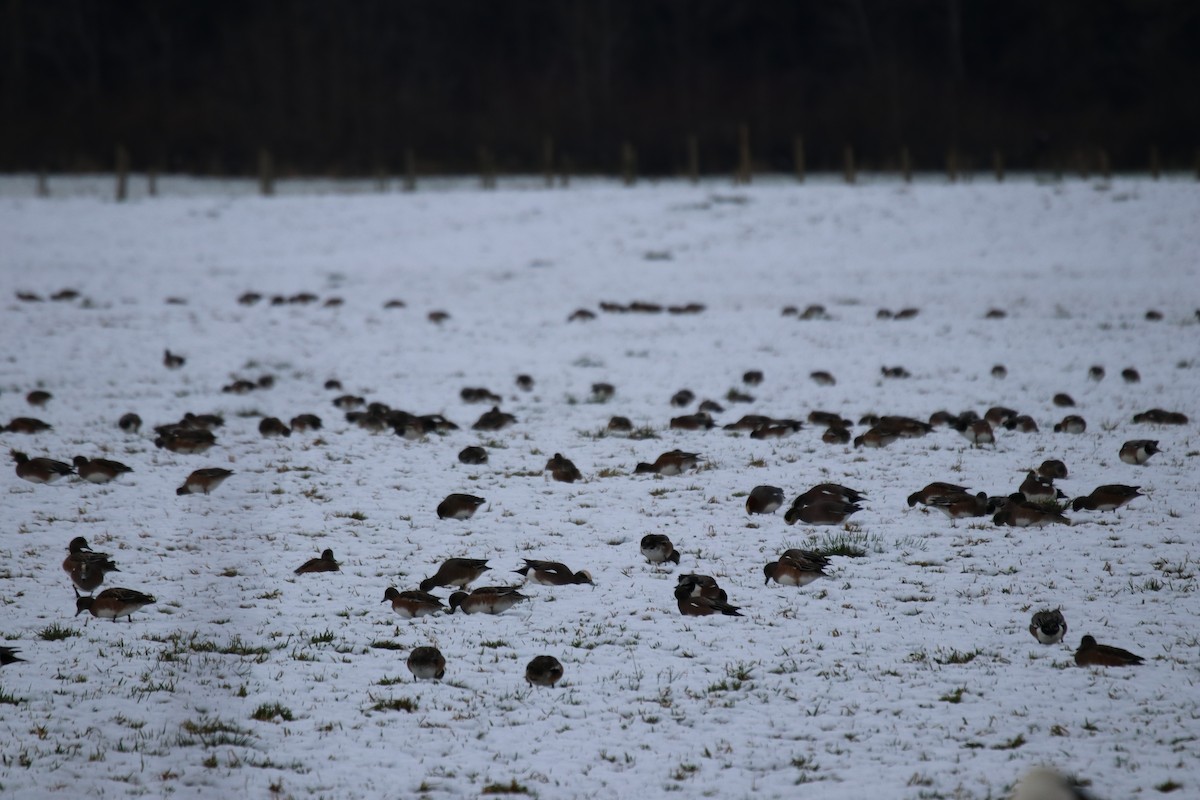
(1155, 165)
(122, 174)
(410, 170)
(1196, 163)
(798, 157)
(43, 184)
(848, 164)
(266, 172)
(152, 180)
(487, 168)
(381, 176)
(693, 159)
(548, 161)
(1104, 166)
(743, 174)
(628, 164)
(952, 165)
(998, 165)
(564, 177)
(906, 164)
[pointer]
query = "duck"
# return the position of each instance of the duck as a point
(426, 664)
(38, 398)
(458, 572)
(1138, 451)
(543, 671)
(1109, 497)
(1072, 423)
(459, 506)
(935, 490)
(325, 563)
(204, 481)
(487, 600)
(40, 469)
(273, 428)
(1048, 627)
(620, 424)
(99, 470)
(26, 425)
(673, 462)
(764, 500)
(657, 549)
(186, 441)
(413, 604)
(493, 420)
(112, 603)
(823, 512)
(86, 567)
(877, 437)
(703, 586)
(1026, 515)
(173, 360)
(562, 469)
(1091, 654)
(962, 506)
(552, 573)
(302, 423)
(130, 422)
(692, 605)
(796, 568)
(829, 491)
(700, 421)
(8, 655)
(1053, 469)
(1036, 489)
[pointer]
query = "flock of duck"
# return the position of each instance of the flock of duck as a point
(1036, 502)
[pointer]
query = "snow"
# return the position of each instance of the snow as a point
(847, 684)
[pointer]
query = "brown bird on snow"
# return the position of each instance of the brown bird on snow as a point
(204, 481)
(325, 563)
(1091, 654)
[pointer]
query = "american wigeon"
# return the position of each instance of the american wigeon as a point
(202, 422)
(692, 605)
(1036, 489)
(1096, 372)
(302, 423)
(822, 512)
(173, 360)
(478, 394)
(324, 563)
(710, 407)
(187, 441)
(620, 425)
(1109, 497)
(1138, 451)
(673, 462)
(38, 398)
(752, 377)
(829, 419)
(40, 469)
(552, 573)
(525, 382)
(130, 422)
(1131, 375)
(412, 604)
(657, 549)
(999, 371)
(1072, 423)
(764, 500)
(895, 372)
(822, 378)
(26, 425)
(877, 436)
(796, 568)
(775, 431)
(734, 396)
(829, 491)
(749, 423)
(935, 490)
(1063, 400)
(86, 567)
(112, 603)
(1157, 416)
(1044, 783)
(1027, 515)
(493, 420)
(486, 600)
(683, 398)
(835, 435)
(459, 506)
(1053, 469)
(1049, 626)
(348, 402)
(962, 506)
(273, 427)
(427, 663)
(204, 481)
(1022, 423)
(543, 671)
(456, 572)
(99, 470)
(998, 415)
(8, 655)
(702, 585)
(699, 421)
(603, 392)
(473, 455)
(1091, 654)
(978, 433)
(562, 469)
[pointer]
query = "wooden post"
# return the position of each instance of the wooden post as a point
(998, 165)
(122, 174)
(548, 161)
(43, 184)
(152, 180)
(1196, 163)
(266, 173)
(1084, 163)
(952, 165)
(410, 170)
(487, 168)
(381, 176)
(744, 171)
(693, 159)
(906, 165)
(798, 157)
(1155, 166)
(1103, 164)
(564, 177)
(848, 164)
(628, 164)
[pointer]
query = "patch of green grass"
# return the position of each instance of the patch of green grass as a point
(953, 656)
(54, 632)
(213, 732)
(512, 787)
(954, 696)
(393, 704)
(1011, 744)
(322, 638)
(1168, 786)
(385, 644)
(644, 432)
(267, 712)
(9, 699)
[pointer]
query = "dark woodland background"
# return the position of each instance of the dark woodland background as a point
(342, 88)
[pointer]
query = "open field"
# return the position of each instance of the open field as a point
(908, 673)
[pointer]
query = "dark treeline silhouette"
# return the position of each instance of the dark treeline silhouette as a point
(344, 87)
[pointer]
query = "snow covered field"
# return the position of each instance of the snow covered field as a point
(909, 673)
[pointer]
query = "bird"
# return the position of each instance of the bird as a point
(699, 421)
(1036, 489)
(99, 470)
(552, 573)
(493, 420)
(459, 506)
(764, 500)
(561, 469)
(173, 360)
(427, 664)
(1043, 783)
(86, 567)
(38, 398)
(325, 563)
(796, 568)
(752, 377)
(703, 586)
(1091, 654)
(1096, 372)
(525, 382)
(1138, 451)
(487, 600)
(935, 490)
(1053, 469)
(412, 604)
(822, 512)
(26, 425)
(473, 455)
(692, 605)
(130, 423)
(8, 655)
(1109, 497)
(1027, 515)
(543, 671)
(456, 572)
(204, 481)
(1072, 423)
(41, 469)
(187, 441)
(273, 427)
(620, 424)
(112, 603)
(1048, 627)
(877, 436)
(962, 506)
(306, 422)
(657, 549)
(674, 462)
(978, 433)
(836, 435)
